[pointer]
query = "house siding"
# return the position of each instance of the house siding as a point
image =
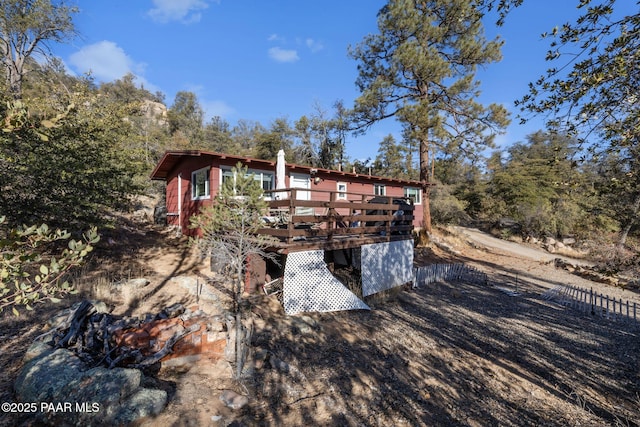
(357, 185)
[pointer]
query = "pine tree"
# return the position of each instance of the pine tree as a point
(420, 68)
(229, 237)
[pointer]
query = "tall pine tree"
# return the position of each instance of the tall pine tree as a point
(420, 68)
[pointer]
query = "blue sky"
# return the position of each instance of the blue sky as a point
(261, 60)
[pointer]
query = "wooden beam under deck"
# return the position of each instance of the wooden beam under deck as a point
(342, 242)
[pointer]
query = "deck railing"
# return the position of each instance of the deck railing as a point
(302, 214)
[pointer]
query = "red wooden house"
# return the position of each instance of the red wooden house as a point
(193, 178)
(320, 218)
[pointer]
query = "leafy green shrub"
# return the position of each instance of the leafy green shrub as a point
(446, 208)
(28, 272)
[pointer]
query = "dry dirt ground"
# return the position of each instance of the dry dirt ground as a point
(447, 354)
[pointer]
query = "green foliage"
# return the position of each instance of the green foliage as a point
(618, 188)
(540, 186)
(446, 208)
(599, 92)
(218, 137)
(391, 159)
(186, 118)
(304, 152)
(66, 164)
(279, 137)
(28, 273)
(26, 29)
(420, 68)
(591, 92)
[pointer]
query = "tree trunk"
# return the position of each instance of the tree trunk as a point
(424, 178)
(622, 240)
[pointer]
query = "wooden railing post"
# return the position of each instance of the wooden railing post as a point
(362, 214)
(292, 212)
(389, 216)
(331, 214)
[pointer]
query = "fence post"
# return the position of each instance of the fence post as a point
(627, 309)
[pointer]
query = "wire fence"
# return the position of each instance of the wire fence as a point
(597, 304)
(443, 272)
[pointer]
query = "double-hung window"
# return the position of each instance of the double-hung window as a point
(200, 184)
(414, 194)
(379, 190)
(342, 191)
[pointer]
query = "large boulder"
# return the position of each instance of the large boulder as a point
(69, 392)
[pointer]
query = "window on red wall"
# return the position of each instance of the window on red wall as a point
(200, 184)
(342, 190)
(414, 194)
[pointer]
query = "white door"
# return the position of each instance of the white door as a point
(303, 182)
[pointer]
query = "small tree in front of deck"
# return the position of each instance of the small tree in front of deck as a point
(229, 238)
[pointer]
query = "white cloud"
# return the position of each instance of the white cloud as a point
(185, 11)
(283, 55)
(106, 62)
(217, 108)
(314, 45)
(275, 38)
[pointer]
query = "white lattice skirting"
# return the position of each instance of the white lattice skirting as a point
(386, 265)
(310, 286)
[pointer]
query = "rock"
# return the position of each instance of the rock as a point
(37, 349)
(173, 311)
(233, 400)
(104, 396)
(136, 283)
(569, 241)
(41, 378)
(143, 403)
(304, 324)
(550, 241)
(279, 365)
(286, 368)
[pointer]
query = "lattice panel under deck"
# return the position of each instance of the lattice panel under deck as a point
(386, 265)
(310, 286)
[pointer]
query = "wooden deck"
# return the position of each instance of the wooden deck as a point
(332, 220)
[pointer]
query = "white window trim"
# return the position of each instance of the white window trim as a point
(342, 194)
(207, 184)
(384, 189)
(418, 192)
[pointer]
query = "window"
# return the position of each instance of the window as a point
(379, 190)
(264, 178)
(414, 194)
(227, 175)
(342, 190)
(200, 184)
